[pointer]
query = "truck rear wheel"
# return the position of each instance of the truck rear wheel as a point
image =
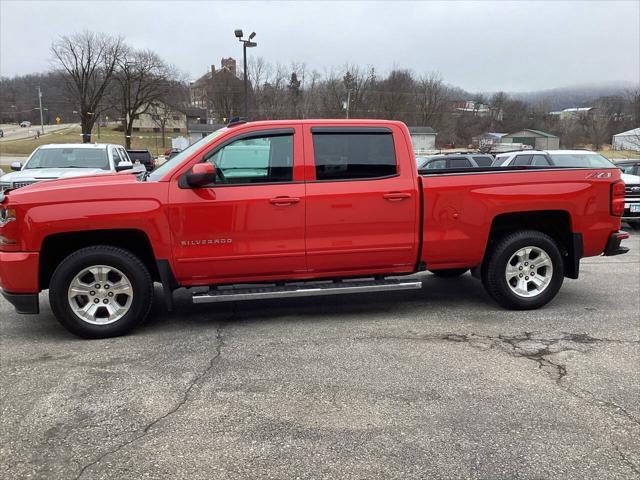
(101, 292)
(524, 271)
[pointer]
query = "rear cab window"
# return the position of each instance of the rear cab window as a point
(353, 154)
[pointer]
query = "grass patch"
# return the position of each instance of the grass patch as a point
(140, 140)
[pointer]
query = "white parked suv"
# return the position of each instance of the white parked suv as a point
(49, 162)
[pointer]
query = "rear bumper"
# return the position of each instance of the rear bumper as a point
(23, 302)
(613, 245)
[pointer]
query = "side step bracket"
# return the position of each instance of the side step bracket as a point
(311, 289)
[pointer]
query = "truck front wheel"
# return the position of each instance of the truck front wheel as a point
(524, 270)
(101, 292)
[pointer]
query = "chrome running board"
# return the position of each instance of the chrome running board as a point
(313, 289)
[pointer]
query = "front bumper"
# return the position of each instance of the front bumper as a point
(19, 272)
(613, 245)
(23, 302)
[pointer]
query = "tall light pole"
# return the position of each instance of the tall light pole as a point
(245, 44)
(40, 100)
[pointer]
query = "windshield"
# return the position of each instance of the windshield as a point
(169, 165)
(588, 159)
(68, 158)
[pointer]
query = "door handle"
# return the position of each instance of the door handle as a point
(284, 200)
(395, 196)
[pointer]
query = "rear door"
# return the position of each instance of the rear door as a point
(362, 204)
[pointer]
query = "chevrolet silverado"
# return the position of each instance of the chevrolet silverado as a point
(296, 208)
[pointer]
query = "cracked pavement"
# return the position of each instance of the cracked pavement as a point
(438, 383)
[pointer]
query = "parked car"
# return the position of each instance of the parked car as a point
(552, 158)
(454, 160)
(144, 157)
(349, 215)
(49, 162)
(169, 153)
(630, 167)
(25, 124)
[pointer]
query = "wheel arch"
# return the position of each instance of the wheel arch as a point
(58, 246)
(555, 223)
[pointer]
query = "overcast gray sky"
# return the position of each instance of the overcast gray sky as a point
(479, 46)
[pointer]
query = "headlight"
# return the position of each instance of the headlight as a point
(7, 215)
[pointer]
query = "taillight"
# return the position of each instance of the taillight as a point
(617, 198)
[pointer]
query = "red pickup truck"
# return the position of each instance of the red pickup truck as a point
(292, 208)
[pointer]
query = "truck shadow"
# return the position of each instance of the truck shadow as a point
(464, 293)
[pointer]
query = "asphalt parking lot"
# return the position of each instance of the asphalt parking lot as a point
(438, 383)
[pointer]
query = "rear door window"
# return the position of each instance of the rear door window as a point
(483, 161)
(521, 160)
(346, 155)
(540, 161)
(436, 164)
(459, 163)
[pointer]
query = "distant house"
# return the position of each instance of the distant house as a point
(196, 131)
(476, 109)
(535, 138)
(423, 138)
(218, 92)
(629, 140)
(487, 139)
(160, 117)
(573, 112)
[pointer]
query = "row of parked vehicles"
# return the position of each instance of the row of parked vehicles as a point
(543, 159)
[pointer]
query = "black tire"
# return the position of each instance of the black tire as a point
(495, 265)
(125, 262)
(449, 272)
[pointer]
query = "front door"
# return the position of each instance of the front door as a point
(362, 206)
(249, 224)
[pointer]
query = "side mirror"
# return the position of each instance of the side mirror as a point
(124, 165)
(201, 174)
(16, 166)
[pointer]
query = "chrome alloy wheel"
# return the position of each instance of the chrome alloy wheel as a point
(100, 295)
(529, 272)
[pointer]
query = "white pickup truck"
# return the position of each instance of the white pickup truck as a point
(49, 162)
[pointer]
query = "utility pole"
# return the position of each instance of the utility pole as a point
(246, 90)
(348, 102)
(245, 44)
(40, 100)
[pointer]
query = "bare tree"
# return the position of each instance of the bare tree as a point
(431, 96)
(143, 79)
(174, 101)
(87, 61)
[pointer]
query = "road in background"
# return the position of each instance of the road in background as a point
(16, 132)
(436, 383)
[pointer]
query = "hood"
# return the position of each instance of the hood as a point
(53, 187)
(630, 179)
(37, 174)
